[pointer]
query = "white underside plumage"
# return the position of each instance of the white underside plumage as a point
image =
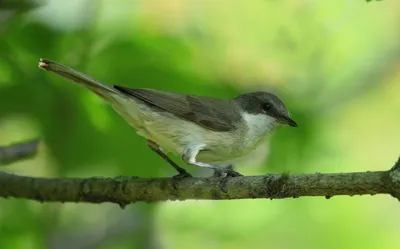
(175, 135)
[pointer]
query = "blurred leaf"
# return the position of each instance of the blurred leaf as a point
(21, 5)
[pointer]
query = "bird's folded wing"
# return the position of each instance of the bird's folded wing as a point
(210, 113)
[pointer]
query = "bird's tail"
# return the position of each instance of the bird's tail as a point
(79, 78)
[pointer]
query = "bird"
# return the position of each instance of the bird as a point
(203, 131)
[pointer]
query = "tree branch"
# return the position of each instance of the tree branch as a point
(126, 190)
(18, 151)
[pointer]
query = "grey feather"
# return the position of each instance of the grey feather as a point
(210, 113)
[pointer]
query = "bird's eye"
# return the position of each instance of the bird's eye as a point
(266, 107)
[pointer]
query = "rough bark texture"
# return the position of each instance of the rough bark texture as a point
(126, 190)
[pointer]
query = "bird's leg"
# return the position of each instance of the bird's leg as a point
(224, 181)
(220, 174)
(192, 161)
(217, 173)
(189, 157)
(156, 149)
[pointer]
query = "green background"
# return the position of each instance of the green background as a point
(334, 63)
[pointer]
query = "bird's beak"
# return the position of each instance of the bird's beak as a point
(287, 121)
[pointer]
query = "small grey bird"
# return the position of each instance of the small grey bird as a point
(203, 131)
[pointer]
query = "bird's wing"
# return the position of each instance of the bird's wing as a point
(210, 113)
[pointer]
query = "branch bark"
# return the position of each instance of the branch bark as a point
(125, 190)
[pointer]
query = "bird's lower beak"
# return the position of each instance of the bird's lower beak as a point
(287, 121)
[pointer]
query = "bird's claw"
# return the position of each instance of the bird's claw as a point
(233, 173)
(224, 181)
(219, 173)
(175, 179)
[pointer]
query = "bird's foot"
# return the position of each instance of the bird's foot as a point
(182, 174)
(219, 173)
(229, 174)
(232, 173)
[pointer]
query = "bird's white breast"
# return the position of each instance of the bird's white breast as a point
(174, 134)
(258, 127)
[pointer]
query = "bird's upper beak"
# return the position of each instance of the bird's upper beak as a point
(287, 121)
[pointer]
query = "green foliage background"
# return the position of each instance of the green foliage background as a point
(334, 63)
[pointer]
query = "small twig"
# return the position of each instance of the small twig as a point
(19, 151)
(396, 165)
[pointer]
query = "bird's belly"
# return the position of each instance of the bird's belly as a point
(176, 135)
(227, 151)
(177, 138)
